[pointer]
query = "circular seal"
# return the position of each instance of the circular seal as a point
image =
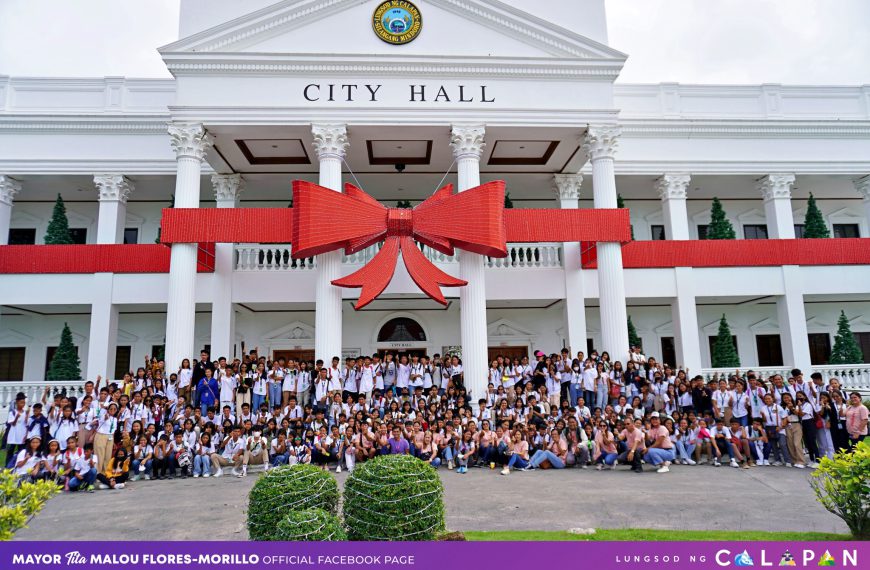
(397, 22)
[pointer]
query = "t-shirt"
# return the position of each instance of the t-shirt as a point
(661, 431)
(632, 437)
(855, 415)
(398, 446)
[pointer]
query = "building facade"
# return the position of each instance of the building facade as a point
(264, 93)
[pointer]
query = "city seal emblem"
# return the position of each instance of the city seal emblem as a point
(397, 22)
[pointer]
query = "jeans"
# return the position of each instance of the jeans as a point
(448, 453)
(281, 459)
(487, 454)
(685, 450)
(607, 458)
(134, 467)
(601, 397)
(589, 397)
(436, 463)
(826, 444)
(257, 400)
(517, 462)
(657, 456)
(744, 421)
(574, 393)
(274, 395)
(201, 464)
(87, 479)
(544, 455)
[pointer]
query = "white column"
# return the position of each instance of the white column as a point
(672, 189)
(862, 185)
(793, 320)
(190, 142)
(684, 315)
(103, 336)
(8, 189)
(776, 191)
(223, 314)
(114, 190)
(568, 191)
(468, 143)
(600, 145)
(330, 144)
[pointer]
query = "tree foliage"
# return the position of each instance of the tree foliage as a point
(842, 485)
(814, 223)
(310, 525)
(65, 364)
(720, 227)
(846, 349)
(58, 227)
(18, 503)
(633, 339)
(724, 352)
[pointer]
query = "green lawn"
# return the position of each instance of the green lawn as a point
(643, 534)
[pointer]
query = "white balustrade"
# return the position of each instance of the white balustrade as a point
(524, 255)
(266, 257)
(34, 391)
(853, 377)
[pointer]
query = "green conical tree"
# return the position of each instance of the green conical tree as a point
(724, 351)
(58, 228)
(846, 349)
(633, 339)
(814, 223)
(65, 364)
(508, 203)
(620, 203)
(720, 227)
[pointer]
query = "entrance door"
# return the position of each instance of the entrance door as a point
(669, 351)
(510, 352)
(287, 355)
(769, 350)
(820, 348)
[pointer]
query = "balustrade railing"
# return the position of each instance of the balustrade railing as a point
(34, 391)
(853, 377)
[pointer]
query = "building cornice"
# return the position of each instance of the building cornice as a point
(747, 128)
(115, 124)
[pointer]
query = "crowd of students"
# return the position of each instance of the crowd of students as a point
(553, 411)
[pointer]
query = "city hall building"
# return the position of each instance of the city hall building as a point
(400, 99)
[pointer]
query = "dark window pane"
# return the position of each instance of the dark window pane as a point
(22, 236)
(799, 230)
(820, 348)
(702, 231)
(79, 235)
(158, 350)
(755, 231)
(769, 349)
(669, 351)
(846, 231)
(131, 235)
(122, 362)
(658, 232)
(590, 346)
(12, 363)
(401, 330)
(863, 339)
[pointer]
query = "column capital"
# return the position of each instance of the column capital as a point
(9, 187)
(467, 141)
(567, 186)
(113, 187)
(862, 186)
(227, 187)
(600, 141)
(330, 140)
(775, 186)
(673, 186)
(189, 140)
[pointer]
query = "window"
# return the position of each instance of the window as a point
(12, 363)
(755, 231)
(49, 354)
(669, 351)
(846, 231)
(22, 236)
(769, 349)
(863, 340)
(799, 230)
(590, 346)
(131, 235)
(158, 350)
(712, 341)
(702, 231)
(820, 348)
(122, 361)
(401, 330)
(79, 235)
(658, 232)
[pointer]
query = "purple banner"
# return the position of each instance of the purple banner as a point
(429, 555)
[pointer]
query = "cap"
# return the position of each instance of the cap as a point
(539, 353)
(654, 415)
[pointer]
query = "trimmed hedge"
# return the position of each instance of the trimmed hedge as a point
(310, 525)
(394, 497)
(286, 489)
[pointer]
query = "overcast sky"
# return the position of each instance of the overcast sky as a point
(689, 41)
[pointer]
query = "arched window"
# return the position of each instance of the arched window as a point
(401, 330)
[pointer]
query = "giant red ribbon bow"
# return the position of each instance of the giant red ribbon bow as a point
(325, 220)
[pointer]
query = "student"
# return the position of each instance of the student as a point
(683, 442)
(84, 470)
(632, 436)
(29, 462)
(117, 470)
(758, 442)
(808, 425)
(518, 453)
(556, 453)
(141, 460)
(793, 430)
(16, 429)
(233, 453)
(256, 453)
(104, 440)
(660, 448)
(722, 442)
(856, 419)
(465, 449)
(775, 419)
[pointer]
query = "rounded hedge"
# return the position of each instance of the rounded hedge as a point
(285, 489)
(310, 525)
(393, 497)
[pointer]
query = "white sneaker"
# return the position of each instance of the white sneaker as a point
(266, 467)
(776, 463)
(450, 464)
(766, 463)
(788, 465)
(663, 469)
(814, 465)
(119, 485)
(704, 461)
(734, 463)
(207, 474)
(690, 461)
(147, 477)
(599, 467)
(134, 478)
(799, 465)
(338, 468)
(716, 463)
(505, 471)
(196, 475)
(102, 487)
(236, 472)
(220, 472)
(244, 471)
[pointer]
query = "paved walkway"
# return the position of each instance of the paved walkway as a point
(687, 498)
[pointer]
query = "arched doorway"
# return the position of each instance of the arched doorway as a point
(402, 335)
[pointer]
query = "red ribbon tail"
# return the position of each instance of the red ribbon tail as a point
(424, 273)
(373, 277)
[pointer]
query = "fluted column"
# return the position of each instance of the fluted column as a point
(103, 335)
(684, 315)
(567, 188)
(223, 314)
(776, 191)
(190, 142)
(114, 189)
(792, 318)
(8, 189)
(862, 186)
(330, 145)
(672, 189)
(600, 145)
(468, 143)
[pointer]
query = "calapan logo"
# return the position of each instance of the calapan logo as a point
(397, 22)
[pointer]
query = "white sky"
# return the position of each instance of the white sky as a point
(689, 41)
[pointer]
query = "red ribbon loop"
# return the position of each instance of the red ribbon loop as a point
(325, 220)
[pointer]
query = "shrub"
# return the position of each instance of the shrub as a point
(18, 504)
(286, 489)
(842, 485)
(394, 497)
(310, 525)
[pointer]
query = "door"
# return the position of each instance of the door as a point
(863, 339)
(769, 349)
(820, 348)
(510, 352)
(287, 355)
(669, 351)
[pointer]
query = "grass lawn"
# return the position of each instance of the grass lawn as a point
(643, 534)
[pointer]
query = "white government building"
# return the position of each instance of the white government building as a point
(265, 93)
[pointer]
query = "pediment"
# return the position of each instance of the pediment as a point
(10, 337)
(664, 328)
(507, 328)
(126, 336)
(344, 27)
(765, 325)
(296, 330)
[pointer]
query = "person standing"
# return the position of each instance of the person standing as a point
(856, 419)
(198, 374)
